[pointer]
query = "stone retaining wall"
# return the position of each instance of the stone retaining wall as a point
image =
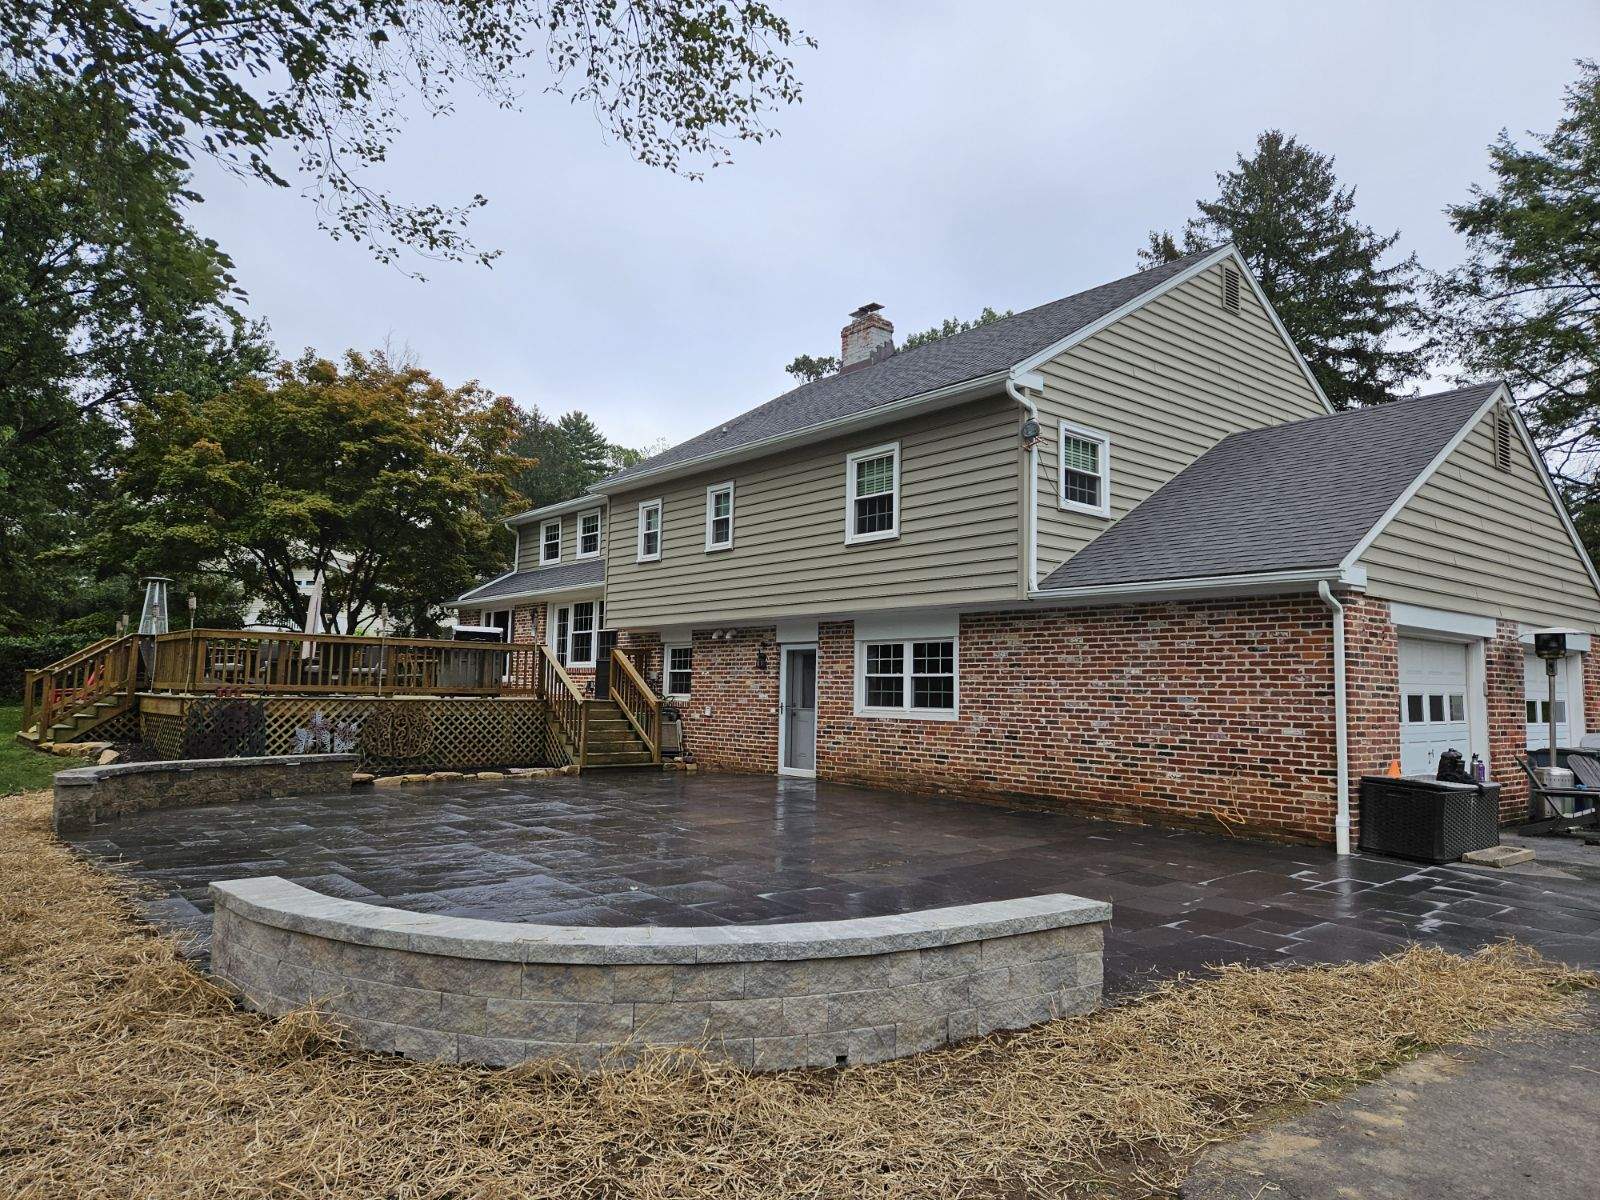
(86, 796)
(768, 997)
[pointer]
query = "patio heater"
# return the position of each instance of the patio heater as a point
(153, 619)
(1551, 645)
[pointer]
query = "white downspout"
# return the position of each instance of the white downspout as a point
(1032, 379)
(1341, 737)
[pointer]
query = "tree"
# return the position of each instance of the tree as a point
(106, 296)
(809, 369)
(1356, 321)
(379, 476)
(566, 457)
(245, 80)
(1525, 305)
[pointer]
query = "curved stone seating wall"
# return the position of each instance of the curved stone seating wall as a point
(85, 796)
(769, 997)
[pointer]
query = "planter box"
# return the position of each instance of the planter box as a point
(1428, 820)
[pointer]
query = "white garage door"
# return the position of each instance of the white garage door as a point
(1538, 698)
(1433, 704)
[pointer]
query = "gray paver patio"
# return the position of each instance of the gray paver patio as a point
(632, 848)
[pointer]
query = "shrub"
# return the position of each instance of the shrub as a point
(19, 654)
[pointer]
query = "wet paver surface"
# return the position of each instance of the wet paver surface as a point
(645, 848)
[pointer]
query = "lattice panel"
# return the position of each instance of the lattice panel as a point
(390, 734)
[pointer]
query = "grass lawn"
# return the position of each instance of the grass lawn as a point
(22, 769)
(126, 1072)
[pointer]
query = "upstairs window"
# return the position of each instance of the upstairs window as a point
(649, 548)
(1085, 470)
(872, 485)
(907, 678)
(589, 533)
(679, 670)
(719, 517)
(550, 542)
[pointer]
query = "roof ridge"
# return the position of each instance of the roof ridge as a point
(1388, 406)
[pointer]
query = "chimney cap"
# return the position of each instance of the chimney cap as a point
(867, 309)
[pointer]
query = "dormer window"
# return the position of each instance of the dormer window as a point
(872, 500)
(1085, 471)
(550, 542)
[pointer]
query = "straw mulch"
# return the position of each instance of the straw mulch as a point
(125, 1073)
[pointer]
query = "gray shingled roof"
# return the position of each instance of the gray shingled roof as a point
(1298, 496)
(957, 359)
(557, 578)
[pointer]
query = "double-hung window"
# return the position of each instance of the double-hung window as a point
(550, 542)
(589, 534)
(1085, 470)
(912, 677)
(679, 669)
(872, 494)
(572, 632)
(649, 546)
(719, 517)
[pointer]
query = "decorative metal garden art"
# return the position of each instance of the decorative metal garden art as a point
(398, 731)
(324, 735)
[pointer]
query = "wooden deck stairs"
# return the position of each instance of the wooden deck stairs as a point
(74, 697)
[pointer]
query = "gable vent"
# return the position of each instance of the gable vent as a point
(1230, 289)
(1502, 439)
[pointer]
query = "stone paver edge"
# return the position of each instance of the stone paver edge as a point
(280, 903)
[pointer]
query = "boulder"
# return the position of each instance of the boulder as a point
(361, 779)
(107, 757)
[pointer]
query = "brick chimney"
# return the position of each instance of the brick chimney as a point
(867, 338)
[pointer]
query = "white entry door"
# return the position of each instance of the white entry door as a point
(1537, 693)
(1433, 704)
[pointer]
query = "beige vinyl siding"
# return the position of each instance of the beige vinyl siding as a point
(1166, 383)
(1476, 539)
(529, 535)
(958, 543)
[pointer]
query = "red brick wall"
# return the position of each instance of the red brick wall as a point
(1591, 691)
(1372, 694)
(730, 721)
(1505, 688)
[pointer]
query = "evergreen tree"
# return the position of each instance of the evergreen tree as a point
(1356, 321)
(1525, 306)
(566, 457)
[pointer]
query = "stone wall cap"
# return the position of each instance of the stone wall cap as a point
(277, 902)
(78, 776)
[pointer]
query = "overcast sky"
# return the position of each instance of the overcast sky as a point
(946, 156)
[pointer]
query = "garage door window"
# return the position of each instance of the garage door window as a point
(1435, 708)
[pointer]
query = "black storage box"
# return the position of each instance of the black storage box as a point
(1427, 819)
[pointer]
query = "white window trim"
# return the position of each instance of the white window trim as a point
(666, 667)
(554, 638)
(661, 531)
(544, 527)
(599, 534)
(712, 492)
(906, 712)
(1103, 509)
(851, 537)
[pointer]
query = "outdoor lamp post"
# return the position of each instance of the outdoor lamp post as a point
(194, 603)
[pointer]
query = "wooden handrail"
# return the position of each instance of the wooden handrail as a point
(638, 703)
(202, 660)
(565, 703)
(84, 677)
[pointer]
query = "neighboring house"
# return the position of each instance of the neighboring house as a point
(305, 578)
(1095, 553)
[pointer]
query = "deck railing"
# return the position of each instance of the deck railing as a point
(205, 660)
(566, 705)
(99, 671)
(638, 703)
